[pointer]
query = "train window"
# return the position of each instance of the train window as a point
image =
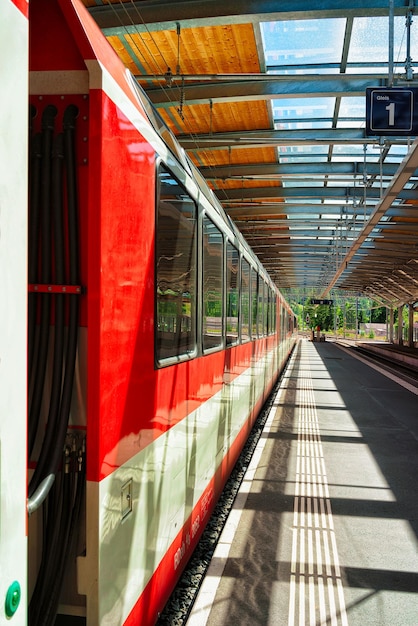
(232, 295)
(269, 308)
(262, 314)
(212, 306)
(260, 307)
(266, 309)
(175, 270)
(272, 322)
(274, 313)
(254, 302)
(245, 300)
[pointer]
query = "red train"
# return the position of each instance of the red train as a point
(154, 337)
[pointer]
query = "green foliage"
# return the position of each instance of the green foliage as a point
(378, 314)
(345, 312)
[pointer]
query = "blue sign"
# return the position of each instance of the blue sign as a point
(391, 111)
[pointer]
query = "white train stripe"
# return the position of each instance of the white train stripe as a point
(202, 606)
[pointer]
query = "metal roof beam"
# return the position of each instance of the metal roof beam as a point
(383, 287)
(244, 193)
(164, 14)
(264, 138)
(260, 170)
(407, 276)
(300, 211)
(399, 286)
(270, 87)
(408, 165)
(376, 292)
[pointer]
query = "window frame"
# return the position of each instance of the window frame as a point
(159, 360)
(247, 338)
(229, 245)
(221, 344)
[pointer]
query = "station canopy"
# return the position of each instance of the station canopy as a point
(269, 101)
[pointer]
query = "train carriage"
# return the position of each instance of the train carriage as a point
(154, 338)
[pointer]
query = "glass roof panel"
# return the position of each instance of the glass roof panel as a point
(348, 124)
(296, 41)
(302, 183)
(302, 158)
(370, 40)
(353, 108)
(348, 150)
(291, 112)
(398, 151)
(298, 154)
(344, 157)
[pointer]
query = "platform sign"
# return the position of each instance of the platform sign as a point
(321, 301)
(391, 111)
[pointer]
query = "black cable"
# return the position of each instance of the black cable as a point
(40, 371)
(70, 360)
(69, 540)
(57, 369)
(59, 538)
(52, 521)
(70, 116)
(53, 459)
(56, 557)
(33, 235)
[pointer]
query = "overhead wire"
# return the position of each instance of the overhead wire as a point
(152, 60)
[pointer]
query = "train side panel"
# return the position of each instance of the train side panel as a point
(13, 319)
(161, 441)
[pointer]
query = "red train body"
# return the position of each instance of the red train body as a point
(180, 334)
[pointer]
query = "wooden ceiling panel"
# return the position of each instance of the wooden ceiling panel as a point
(204, 118)
(234, 157)
(192, 50)
(245, 184)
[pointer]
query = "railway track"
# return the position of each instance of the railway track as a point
(406, 372)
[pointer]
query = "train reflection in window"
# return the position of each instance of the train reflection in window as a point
(254, 303)
(232, 312)
(212, 330)
(175, 270)
(245, 300)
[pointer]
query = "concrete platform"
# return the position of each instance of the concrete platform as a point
(404, 355)
(324, 529)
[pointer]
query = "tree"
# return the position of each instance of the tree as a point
(378, 314)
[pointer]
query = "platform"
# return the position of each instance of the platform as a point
(404, 355)
(324, 529)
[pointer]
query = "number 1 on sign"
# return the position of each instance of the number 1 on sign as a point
(391, 109)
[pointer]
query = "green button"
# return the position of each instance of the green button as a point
(12, 599)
